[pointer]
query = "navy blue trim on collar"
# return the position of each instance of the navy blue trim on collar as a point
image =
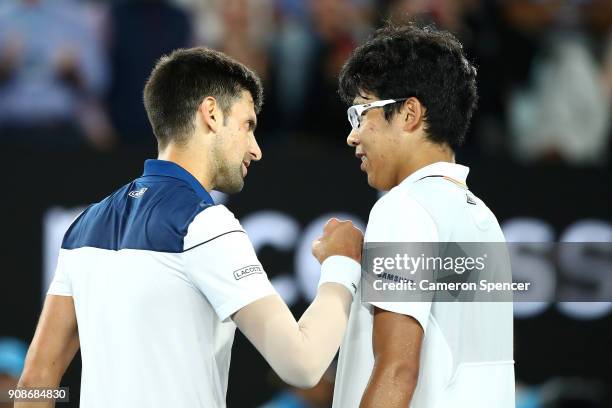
(166, 168)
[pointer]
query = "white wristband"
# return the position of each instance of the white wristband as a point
(343, 270)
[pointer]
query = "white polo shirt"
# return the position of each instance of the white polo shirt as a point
(156, 270)
(466, 355)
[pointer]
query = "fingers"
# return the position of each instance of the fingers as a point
(331, 224)
(334, 227)
(339, 238)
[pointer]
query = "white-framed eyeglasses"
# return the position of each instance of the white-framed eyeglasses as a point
(354, 112)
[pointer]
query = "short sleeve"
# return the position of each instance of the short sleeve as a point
(397, 217)
(221, 262)
(61, 284)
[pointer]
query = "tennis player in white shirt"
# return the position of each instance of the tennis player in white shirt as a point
(413, 92)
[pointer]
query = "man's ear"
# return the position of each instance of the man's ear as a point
(211, 114)
(413, 114)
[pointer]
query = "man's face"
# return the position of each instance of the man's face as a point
(378, 145)
(235, 146)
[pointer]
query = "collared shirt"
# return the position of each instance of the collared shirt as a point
(156, 270)
(466, 356)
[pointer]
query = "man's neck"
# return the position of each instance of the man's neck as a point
(429, 153)
(197, 167)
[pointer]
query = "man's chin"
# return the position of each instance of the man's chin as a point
(372, 181)
(378, 184)
(231, 188)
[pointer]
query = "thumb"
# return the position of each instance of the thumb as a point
(315, 244)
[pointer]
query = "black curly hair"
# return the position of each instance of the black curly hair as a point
(416, 61)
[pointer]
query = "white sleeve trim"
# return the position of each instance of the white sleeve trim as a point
(61, 284)
(226, 310)
(54, 290)
(418, 310)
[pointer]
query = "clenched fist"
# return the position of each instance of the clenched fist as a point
(339, 238)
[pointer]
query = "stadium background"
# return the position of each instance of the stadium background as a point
(72, 129)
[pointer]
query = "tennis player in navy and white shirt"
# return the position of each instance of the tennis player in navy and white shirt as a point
(138, 266)
(152, 281)
(155, 271)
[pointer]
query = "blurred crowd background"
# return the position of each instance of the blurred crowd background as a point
(72, 74)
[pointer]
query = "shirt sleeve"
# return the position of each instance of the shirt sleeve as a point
(397, 217)
(221, 262)
(61, 284)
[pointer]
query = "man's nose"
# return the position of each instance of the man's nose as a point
(255, 150)
(352, 140)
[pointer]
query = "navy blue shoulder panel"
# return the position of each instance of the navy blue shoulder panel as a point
(151, 213)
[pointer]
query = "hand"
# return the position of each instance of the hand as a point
(339, 238)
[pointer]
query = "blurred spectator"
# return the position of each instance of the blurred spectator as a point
(52, 74)
(562, 111)
(239, 28)
(246, 32)
(307, 57)
(141, 32)
(243, 29)
(12, 357)
(565, 115)
(549, 101)
(479, 25)
(247, 28)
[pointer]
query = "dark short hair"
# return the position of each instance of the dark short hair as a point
(179, 83)
(414, 61)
